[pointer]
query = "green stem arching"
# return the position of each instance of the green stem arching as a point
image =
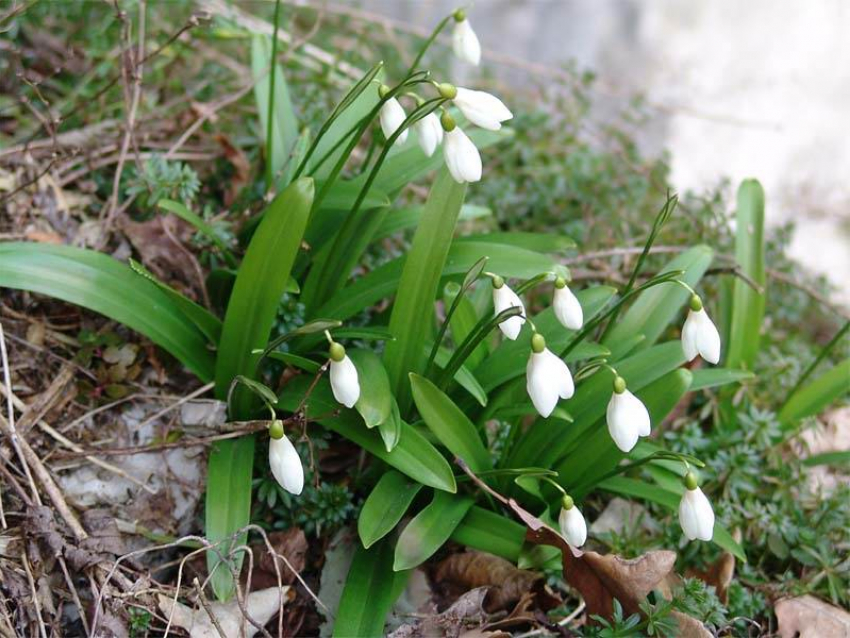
(427, 45)
(662, 455)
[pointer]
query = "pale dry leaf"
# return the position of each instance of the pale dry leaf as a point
(808, 617)
(690, 627)
(507, 583)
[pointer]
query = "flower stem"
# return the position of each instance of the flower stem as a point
(271, 118)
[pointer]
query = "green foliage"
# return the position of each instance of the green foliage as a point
(162, 179)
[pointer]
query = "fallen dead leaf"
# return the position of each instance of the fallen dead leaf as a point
(292, 544)
(808, 617)
(506, 582)
(43, 236)
(718, 575)
(466, 610)
(161, 253)
(690, 627)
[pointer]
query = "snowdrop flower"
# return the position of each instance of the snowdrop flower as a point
(504, 298)
(430, 133)
(566, 306)
(462, 158)
(344, 380)
(547, 377)
(482, 109)
(627, 417)
(695, 514)
(571, 522)
(464, 41)
(699, 334)
(392, 116)
(284, 460)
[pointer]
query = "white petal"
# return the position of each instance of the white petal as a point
(462, 157)
(637, 412)
(707, 338)
(573, 526)
(504, 298)
(465, 43)
(560, 374)
(286, 465)
(689, 336)
(696, 516)
(344, 382)
(430, 133)
(547, 379)
(567, 308)
(621, 426)
(392, 117)
(482, 109)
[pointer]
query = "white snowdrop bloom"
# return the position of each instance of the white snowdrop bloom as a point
(430, 133)
(572, 523)
(700, 335)
(695, 514)
(504, 298)
(547, 377)
(627, 417)
(392, 116)
(566, 306)
(464, 41)
(286, 464)
(482, 109)
(462, 157)
(344, 380)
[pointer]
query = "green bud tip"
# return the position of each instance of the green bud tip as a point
(619, 384)
(336, 352)
(696, 303)
(567, 502)
(498, 282)
(538, 343)
(447, 91)
(691, 481)
(459, 15)
(560, 282)
(447, 121)
(276, 429)
(383, 91)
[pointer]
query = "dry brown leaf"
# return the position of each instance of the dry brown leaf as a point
(507, 583)
(43, 236)
(690, 627)
(808, 617)
(241, 167)
(466, 610)
(718, 575)
(291, 544)
(156, 241)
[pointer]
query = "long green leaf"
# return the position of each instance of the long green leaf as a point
(748, 304)
(368, 594)
(102, 284)
(538, 242)
(413, 311)
(489, 532)
(429, 530)
(405, 218)
(385, 505)
(375, 402)
(449, 424)
(812, 398)
(713, 377)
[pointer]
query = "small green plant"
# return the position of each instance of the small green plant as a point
(162, 179)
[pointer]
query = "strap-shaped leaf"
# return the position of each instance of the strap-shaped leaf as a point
(814, 397)
(429, 530)
(386, 504)
(489, 532)
(375, 402)
(102, 284)
(714, 377)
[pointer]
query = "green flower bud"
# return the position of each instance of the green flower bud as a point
(538, 343)
(567, 502)
(276, 429)
(447, 121)
(619, 384)
(696, 303)
(459, 15)
(336, 352)
(498, 282)
(447, 91)
(691, 481)
(383, 91)
(560, 282)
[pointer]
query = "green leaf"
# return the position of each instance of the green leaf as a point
(656, 307)
(375, 402)
(390, 428)
(429, 530)
(489, 532)
(102, 284)
(260, 389)
(385, 506)
(537, 242)
(368, 594)
(413, 455)
(230, 464)
(405, 218)
(462, 323)
(449, 424)
(669, 499)
(297, 361)
(284, 122)
(413, 310)
(748, 304)
(201, 226)
(713, 377)
(463, 376)
(203, 319)
(828, 458)
(812, 398)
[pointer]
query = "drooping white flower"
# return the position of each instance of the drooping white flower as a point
(464, 41)
(430, 133)
(462, 157)
(572, 523)
(547, 377)
(392, 116)
(504, 298)
(566, 306)
(627, 417)
(344, 380)
(482, 109)
(286, 464)
(700, 335)
(695, 514)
